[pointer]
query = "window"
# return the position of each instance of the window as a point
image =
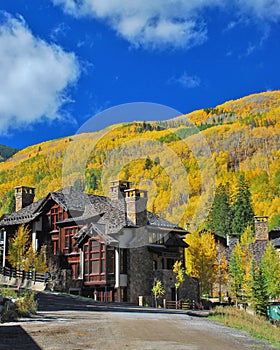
(69, 233)
(123, 261)
(95, 258)
(154, 265)
(170, 263)
(75, 271)
(55, 247)
(110, 261)
(156, 238)
(55, 215)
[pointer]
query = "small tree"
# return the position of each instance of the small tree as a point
(270, 267)
(21, 254)
(200, 259)
(180, 278)
(236, 271)
(219, 219)
(158, 290)
(258, 297)
(221, 268)
(18, 247)
(240, 266)
(242, 209)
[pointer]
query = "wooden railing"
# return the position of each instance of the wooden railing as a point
(22, 275)
(184, 305)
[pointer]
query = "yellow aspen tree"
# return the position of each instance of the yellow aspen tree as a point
(200, 259)
(180, 278)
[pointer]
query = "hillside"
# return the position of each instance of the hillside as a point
(6, 152)
(170, 159)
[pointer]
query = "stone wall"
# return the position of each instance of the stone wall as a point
(141, 278)
(187, 291)
(140, 275)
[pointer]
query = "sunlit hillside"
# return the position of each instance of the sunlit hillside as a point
(175, 161)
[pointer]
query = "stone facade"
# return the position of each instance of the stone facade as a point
(136, 206)
(140, 274)
(187, 291)
(261, 228)
(24, 196)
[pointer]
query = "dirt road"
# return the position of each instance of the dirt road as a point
(69, 323)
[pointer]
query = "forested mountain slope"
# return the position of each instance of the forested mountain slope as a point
(6, 152)
(240, 136)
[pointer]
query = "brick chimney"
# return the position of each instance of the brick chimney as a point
(117, 188)
(136, 206)
(261, 228)
(24, 196)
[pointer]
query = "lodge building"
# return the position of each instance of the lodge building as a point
(109, 248)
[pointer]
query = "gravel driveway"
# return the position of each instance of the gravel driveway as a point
(71, 323)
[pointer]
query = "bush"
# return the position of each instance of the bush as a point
(15, 306)
(26, 305)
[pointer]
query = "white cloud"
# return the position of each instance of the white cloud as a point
(266, 9)
(186, 80)
(34, 76)
(165, 23)
(146, 23)
(189, 81)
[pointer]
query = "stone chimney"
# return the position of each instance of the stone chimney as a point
(117, 189)
(24, 196)
(136, 206)
(261, 228)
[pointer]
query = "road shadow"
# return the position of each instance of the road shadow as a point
(15, 338)
(48, 302)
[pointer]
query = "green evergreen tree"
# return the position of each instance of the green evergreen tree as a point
(242, 210)
(148, 164)
(258, 297)
(270, 266)
(219, 219)
(236, 271)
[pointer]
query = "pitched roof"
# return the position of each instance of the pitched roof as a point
(93, 230)
(258, 248)
(101, 209)
(22, 216)
(276, 242)
(69, 198)
(155, 220)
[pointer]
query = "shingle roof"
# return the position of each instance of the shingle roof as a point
(92, 230)
(70, 198)
(276, 242)
(155, 220)
(23, 216)
(111, 213)
(258, 248)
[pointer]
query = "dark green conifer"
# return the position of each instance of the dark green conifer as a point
(219, 220)
(242, 210)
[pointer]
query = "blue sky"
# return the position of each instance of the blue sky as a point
(63, 61)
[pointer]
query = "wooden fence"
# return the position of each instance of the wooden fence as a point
(11, 273)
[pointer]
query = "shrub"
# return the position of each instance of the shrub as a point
(26, 305)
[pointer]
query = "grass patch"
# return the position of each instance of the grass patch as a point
(257, 326)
